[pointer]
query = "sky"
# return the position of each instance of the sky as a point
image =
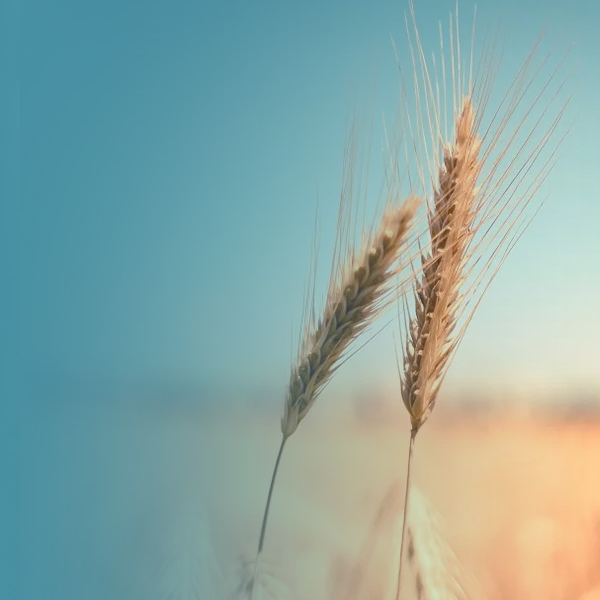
(173, 155)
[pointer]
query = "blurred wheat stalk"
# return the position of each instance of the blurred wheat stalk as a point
(436, 573)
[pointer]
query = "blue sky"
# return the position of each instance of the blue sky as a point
(172, 158)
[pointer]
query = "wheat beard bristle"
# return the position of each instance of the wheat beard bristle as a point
(351, 306)
(430, 342)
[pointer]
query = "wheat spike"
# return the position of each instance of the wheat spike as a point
(437, 295)
(353, 302)
(483, 180)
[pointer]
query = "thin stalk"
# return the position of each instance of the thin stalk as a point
(266, 516)
(411, 446)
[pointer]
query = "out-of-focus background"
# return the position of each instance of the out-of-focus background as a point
(126, 503)
(173, 155)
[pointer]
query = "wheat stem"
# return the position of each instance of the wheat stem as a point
(266, 516)
(411, 445)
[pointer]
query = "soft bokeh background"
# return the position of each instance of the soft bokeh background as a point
(172, 158)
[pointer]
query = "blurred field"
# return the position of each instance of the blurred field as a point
(100, 488)
(520, 497)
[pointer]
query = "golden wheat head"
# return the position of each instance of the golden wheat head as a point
(437, 295)
(478, 185)
(353, 302)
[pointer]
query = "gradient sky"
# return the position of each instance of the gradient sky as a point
(172, 157)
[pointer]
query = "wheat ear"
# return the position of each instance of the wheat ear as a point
(483, 182)
(352, 305)
(353, 302)
(437, 295)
